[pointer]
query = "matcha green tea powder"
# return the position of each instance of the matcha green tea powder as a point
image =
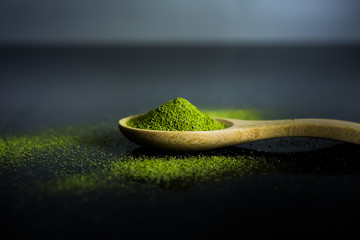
(176, 115)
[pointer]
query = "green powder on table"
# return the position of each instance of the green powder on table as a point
(176, 115)
(92, 157)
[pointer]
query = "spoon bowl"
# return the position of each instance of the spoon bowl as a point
(241, 131)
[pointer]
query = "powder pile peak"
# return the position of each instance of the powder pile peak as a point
(175, 115)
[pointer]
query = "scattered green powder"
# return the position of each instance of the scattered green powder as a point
(88, 158)
(176, 115)
(235, 113)
(178, 172)
(96, 158)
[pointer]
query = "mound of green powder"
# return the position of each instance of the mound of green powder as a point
(176, 115)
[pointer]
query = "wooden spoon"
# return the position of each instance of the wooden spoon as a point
(242, 131)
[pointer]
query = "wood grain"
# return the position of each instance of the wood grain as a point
(242, 131)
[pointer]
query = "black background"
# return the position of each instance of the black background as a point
(69, 62)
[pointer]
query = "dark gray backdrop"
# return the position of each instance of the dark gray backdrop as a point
(66, 62)
(162, 21)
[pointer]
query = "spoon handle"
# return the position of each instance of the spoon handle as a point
(320, 128)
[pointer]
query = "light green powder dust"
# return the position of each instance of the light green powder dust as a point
(176, 115)
(88, 158)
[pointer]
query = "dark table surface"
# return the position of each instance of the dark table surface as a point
(61, 86)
